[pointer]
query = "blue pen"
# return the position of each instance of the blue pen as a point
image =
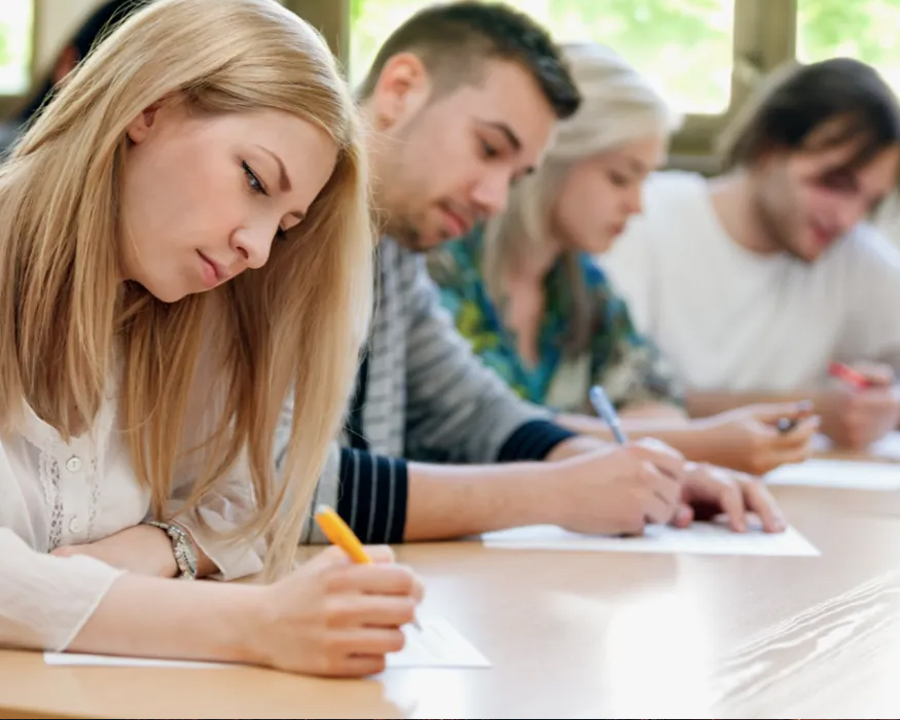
(605, 410)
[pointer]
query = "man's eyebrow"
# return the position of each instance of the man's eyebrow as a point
(506, 130)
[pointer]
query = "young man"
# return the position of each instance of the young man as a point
(462, 100)
(755, 282)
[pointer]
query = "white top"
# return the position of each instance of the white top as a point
(733, 320)
(887, 220)
(53, 493)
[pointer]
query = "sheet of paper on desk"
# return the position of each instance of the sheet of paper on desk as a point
(438, 644)
(888, 448)
(843, 474)
(52, 658)
(699, 539)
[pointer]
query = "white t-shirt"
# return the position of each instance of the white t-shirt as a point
(733, 320)
(887, 219)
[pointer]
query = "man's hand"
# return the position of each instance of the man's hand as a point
(617, 489)
(710, 490)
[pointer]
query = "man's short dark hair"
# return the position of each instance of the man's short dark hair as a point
(454, 40)
(798, 100)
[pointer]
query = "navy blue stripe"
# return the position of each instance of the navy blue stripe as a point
(533, 441)
(359, 494)
(355, 421)
(380, 495)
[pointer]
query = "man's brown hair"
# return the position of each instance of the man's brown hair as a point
(454, 41)
(796, 101)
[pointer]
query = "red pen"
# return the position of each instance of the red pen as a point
(850, 376)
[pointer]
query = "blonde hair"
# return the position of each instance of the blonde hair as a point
(296, 323)
(618, 105)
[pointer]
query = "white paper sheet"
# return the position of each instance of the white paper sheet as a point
(438, 644)
(888, 448)
(844, 474)
(52, 658)
(699, 539)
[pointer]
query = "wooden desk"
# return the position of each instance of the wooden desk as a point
(582, 635)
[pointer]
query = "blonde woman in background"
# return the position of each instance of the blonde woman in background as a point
(184, 237)
(525, 290)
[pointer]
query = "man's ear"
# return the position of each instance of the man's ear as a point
(65, 63)
(403, 88)
(139, 128)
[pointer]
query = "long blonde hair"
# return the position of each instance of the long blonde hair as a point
(618, 105)
(296, 323)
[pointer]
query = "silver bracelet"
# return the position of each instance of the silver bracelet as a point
(182, 548)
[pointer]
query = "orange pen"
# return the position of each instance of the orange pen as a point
(340, 534)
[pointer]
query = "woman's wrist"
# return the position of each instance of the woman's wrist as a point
(182, 547)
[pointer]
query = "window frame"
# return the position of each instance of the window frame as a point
(764, 37)
(11, 103)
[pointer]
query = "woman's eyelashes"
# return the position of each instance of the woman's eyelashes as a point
(253, 179)
(257, 187)
(488, 150)
(618, 179)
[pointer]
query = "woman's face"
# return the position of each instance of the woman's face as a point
(204, 197)
(599, 193)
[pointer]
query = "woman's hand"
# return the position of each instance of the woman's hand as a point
(142, 549)
(749, 438)
(332, 617)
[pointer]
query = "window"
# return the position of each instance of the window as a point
(705, 56)
(866, 31)
(16, 19)
(684, 47)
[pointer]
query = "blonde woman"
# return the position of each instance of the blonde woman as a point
(526, 292)
(184, 237)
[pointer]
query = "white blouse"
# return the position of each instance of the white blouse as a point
(54, 493)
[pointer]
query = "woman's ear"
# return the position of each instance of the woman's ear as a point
(139, 128)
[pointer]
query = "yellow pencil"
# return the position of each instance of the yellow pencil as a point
(340, 534)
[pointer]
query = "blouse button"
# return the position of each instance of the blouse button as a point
(73, 464)
(74, 526)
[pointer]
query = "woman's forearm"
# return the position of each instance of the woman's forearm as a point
(155, 617)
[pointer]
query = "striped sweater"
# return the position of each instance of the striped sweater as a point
(420, 395)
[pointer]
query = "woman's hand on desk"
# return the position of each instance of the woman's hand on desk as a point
(332, 617)
(143, 549)
(748, 438)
